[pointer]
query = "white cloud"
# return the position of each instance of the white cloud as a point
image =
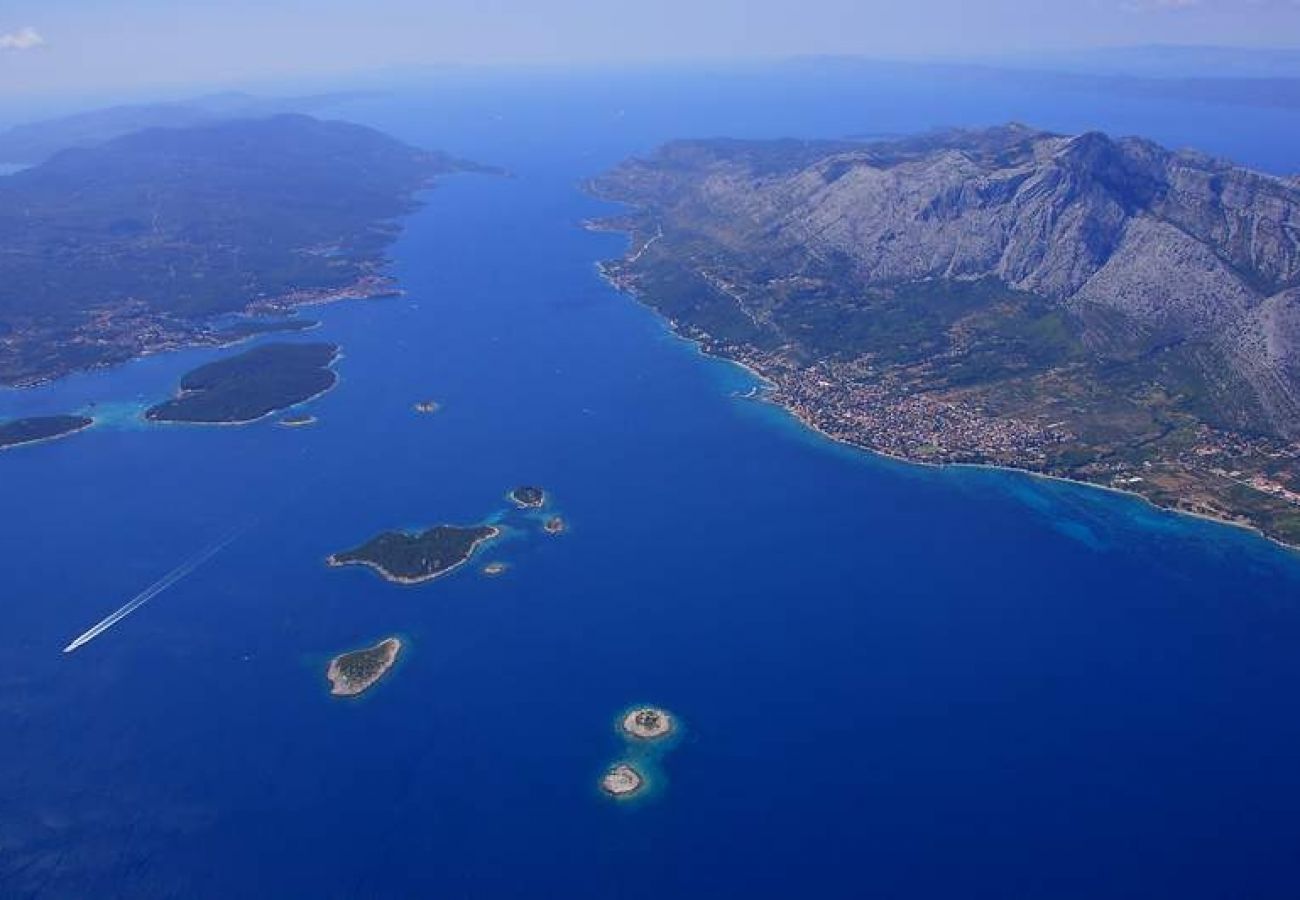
(22, 39)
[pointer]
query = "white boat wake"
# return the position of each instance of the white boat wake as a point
(154, 590)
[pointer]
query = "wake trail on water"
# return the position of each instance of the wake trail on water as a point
(153, 590)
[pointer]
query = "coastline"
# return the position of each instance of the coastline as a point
(54, 437)
(369, 287)
(769, 386)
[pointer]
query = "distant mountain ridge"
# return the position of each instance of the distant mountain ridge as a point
(32, 142)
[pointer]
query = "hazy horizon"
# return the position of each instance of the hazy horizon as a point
(74, 46)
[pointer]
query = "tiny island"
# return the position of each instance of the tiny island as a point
(555, 525)
(40, 428)
(622, 780)
(251, 385)
(405, 558)
(528, 497)
(298, 420)
(426, 407)
(494, 568)
(647, 723)
(353, 673)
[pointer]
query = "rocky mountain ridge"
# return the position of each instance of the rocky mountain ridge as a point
(1144, 246)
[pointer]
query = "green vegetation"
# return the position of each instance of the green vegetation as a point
(193, 222)
(1009, 318)
(528, 497)
(412, 558)
(253, 384)
(241, 331)
(357, 671)
(40, 428)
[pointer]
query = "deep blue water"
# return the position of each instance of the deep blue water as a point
(896, 681)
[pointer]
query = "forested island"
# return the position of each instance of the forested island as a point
(240, 216)
(528, 497)
(254, 384)
(353, 673)
(406, 558)
(1096, 308)
(34, 429)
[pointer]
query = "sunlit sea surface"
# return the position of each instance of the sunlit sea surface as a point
(894, 681)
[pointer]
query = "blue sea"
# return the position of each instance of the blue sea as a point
(893, 681)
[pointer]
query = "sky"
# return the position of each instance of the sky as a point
(97, 45)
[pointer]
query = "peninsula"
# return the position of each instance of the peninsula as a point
(647, 723)
(622, 781)
(1099, 309)
(256, 383)
(249, 215)
(34, 429)
(528, 497)
(353, 673)
(406, 558)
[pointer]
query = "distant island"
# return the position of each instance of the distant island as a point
(495, 568)
(353, 673)
(406, 558)
(237, 216)
(426, 407)
(622, 781)
(254, 384)
(528, 497)
(1094, 308)
(647, 723)
(34, 142)
(17, 432)
(555, 525)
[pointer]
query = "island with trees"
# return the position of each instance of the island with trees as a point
(405, 558)
(354, 673)
(528, 497)
(254, 384)
(35, 429)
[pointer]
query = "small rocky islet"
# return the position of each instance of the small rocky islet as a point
(639, 726)
(622, 780)
(647, 723)
(357, 671)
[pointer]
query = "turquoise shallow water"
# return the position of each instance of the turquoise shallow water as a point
(896, 681)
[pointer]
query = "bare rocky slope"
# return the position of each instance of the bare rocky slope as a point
(1112, 261)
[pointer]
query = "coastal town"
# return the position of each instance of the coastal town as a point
(912, 413)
